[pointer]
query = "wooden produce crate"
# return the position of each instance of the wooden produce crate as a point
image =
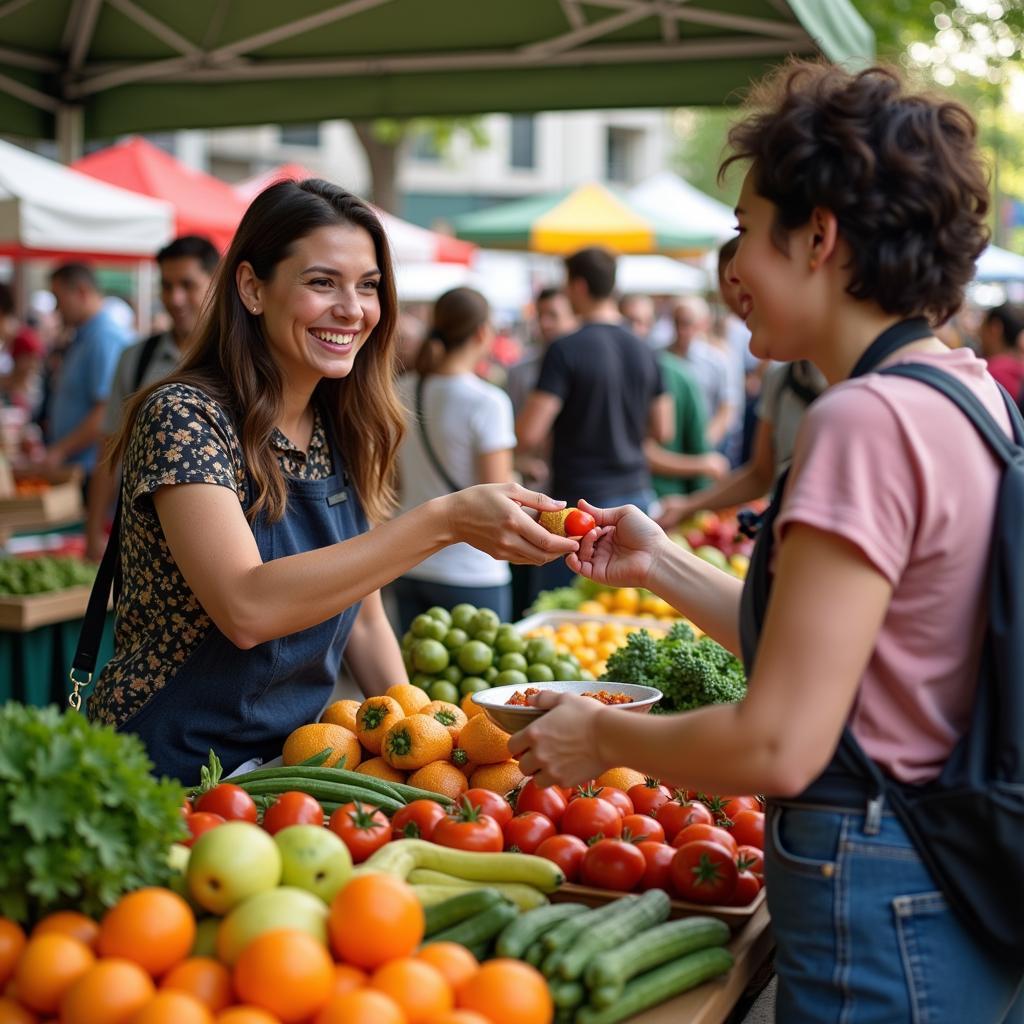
(58, 504)
(21, 614)
(735, 917)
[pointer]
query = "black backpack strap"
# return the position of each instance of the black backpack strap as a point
(427, 446)
(149, 347)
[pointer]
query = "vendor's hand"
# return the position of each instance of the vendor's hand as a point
(674, 509)
(493, 518)
(716, 465)
(560, 748)
(622, 551)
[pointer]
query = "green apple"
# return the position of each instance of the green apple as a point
(206, 937)
(231, 862)
(315, 859)
(284, 907)
(177, 860)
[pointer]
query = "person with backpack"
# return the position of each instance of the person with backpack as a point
(882, 621)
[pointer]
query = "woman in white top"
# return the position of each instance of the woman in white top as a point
(461, 432)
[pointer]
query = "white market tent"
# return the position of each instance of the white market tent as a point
(999, 265)
(659, 275)
(670, 199)
(48, 210)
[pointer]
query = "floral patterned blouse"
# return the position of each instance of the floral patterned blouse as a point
(182, 436)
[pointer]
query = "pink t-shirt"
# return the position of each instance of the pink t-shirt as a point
(892, 466)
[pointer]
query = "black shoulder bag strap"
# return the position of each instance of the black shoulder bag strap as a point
(427, 446)
(149, 347)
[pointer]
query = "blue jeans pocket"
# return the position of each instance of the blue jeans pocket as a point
(805, 842)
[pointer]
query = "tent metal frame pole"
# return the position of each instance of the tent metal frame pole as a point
(70, 132)
(78, 32)
(21, 91)
(156, 28)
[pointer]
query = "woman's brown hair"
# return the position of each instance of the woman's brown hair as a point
(458, 314)
(900, 170)
(231, 361)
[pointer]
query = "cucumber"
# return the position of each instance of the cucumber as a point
(459, 908)
(481, 928)
(564, 933)
(332, 792)
(515, 939)
(525, 897)
(609, 971)
(659, 985)
(534, 954)
(567, 995)
(630, 919)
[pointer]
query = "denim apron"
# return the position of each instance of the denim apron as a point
(863, 933)
(243, 704)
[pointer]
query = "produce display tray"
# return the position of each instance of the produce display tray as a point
(735, 917)
(21, 614)
(60, 504)
(560, 618)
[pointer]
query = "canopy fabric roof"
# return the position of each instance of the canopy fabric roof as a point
(409, 242)
(150, 65)
(50, 210)
(589, 215)
(668, 196)
(203, 205)
(1001, 265)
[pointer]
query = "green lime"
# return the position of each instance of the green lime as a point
(509, 643)
(511, 678)
(474, 657)
(455, 638)
(571, 658)
(436, 630)
(485, 620)
(487, 636)
(539, 673)
(510, 662)
(441, 614)
(407, 662)
(473, 684)
(540, 651)
(463, 616)
(565, 671)
(424, 680)
(430, 656)
(408, 640)
(453, 674)
(443, 690)
(422, 626)
(490, 674)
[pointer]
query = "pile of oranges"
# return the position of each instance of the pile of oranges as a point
(137, 966)
(592, 643)
(629, 601)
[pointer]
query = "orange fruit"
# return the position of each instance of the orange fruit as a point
(621, 778)
(48, 967)
(412, 698)
(418, 987)
(469, 707)
(203, 978)
(171, 1007)
(460, 1017)
(380, 769)
(246, 1015)
(451, 716)
(364, 1006)
(12, 942)
(501, 778)
(484, 742)
(453, 960)
(377, 715)
(440, 777)
(375, 918)
(415, 741)
(508, 992)
(286, 972)
(341, 712)
(153, 927)
(309, 740)
(12, 1013)
(347, 979)
(110, 992)
(70, 922)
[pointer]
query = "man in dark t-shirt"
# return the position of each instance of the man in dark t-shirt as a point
(600, 396)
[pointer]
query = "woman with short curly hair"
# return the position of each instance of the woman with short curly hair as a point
(860, 218)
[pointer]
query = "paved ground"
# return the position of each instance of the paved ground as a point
(763, 1010)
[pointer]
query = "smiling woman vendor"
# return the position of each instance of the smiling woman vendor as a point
(250, 478)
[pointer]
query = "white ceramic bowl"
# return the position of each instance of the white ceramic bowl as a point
(512, 717)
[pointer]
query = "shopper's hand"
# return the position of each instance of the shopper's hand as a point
(493, 518)
(674, 509)
(716, 465)
(621, 551)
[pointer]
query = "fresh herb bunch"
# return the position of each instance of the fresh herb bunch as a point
(82, 820)
(20, 577)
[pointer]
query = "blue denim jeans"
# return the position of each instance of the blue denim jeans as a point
(864, 936)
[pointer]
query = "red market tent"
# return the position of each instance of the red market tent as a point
(203, 205)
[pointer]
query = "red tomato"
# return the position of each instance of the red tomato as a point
(641, 827)
(704, 872)
(748, 828)
(649, 796)
(613, 864)
(363, 828)
(565, 851)
(470, 829)
(735, 804)
(578, 522)
(675, 815)
(417, 820)
(186, 808)
(550, 802)
(588, 816)
(712, 833)
(231, 802)
(490, 803)
(618, 797)
(748, 885)
(525, 832)
(199, 822)
(292, 808)
(750, 858)
(658, 873)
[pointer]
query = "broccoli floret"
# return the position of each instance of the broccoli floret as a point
(701, 673)
(681, 632)
(639, 662)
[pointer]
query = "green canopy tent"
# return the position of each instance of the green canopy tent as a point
(102, 68)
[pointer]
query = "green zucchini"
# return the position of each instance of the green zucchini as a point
(459, 908)
(608, 973)
(567, 994)
(660, 985)
(396, 790)
(332, 792)
(530, 926)
(630, 919)
(481, 928)
(535, 954)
